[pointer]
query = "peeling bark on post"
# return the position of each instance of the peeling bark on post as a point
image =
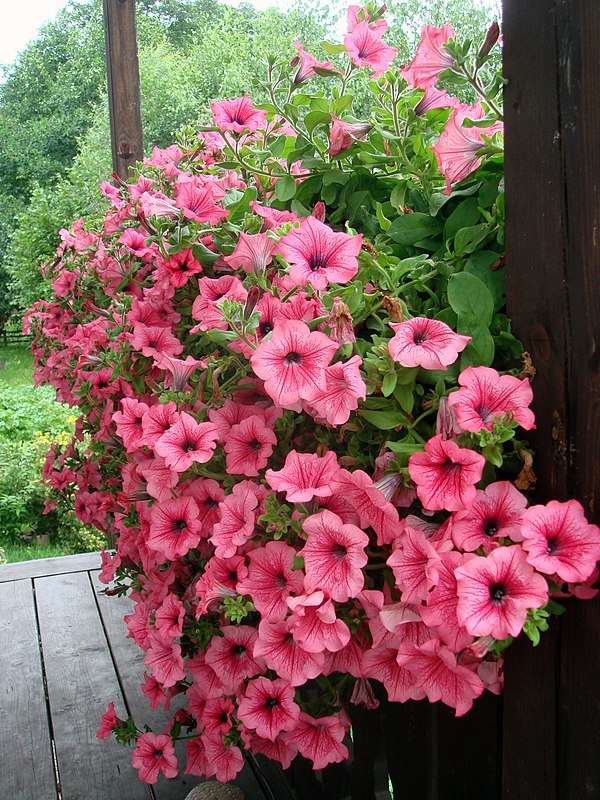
(123, 79)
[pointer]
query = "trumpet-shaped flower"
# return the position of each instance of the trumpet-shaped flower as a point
(304, 476)
(268, 707)
(431, 58)
(187, 442)
(153, 754)
(366, 48)
(237, 115)
(486, 395)
(427, 343)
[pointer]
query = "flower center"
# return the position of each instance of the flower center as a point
(292, 359)
(553, 547)
(420, 336)
(317, 261)
(339, 552)
(179, 525)
(265, 328)
(497, 593)
(281, 581)
(188, 446)
(254, 445)
(271, 703)
(239, 650)
(490, 527)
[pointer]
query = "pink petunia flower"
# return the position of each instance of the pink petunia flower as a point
(292, 363)
(213, 291)
(320, 740)
(198, 203)
(400, 684)
(445, 474)
(232, 656)
(109, 722)
(427, 343)
(456, 149)
(315, 624)
(307, 64)
(236, 524)
(495, 592)
(334, 555)
(129, 422)
(223, 761)
(366, 48)
(343, 134)
(180, 267)
(154, 754)
(358, 14)
(304, 476)
(318, 255)
(248, 446)
(344, 387)
(414, 563)
(440, 676)
(431, 58)
(165, 661)
(253, 252)
(271, 579)
(155, 341)
(496, 513)
(371, 505)
(559, 540)
(187, 442)
(237, 115)
(281, 750)
(174, 527)
(168, 618)
(283, 654)
(486, 395)
(440, 612)
(268, 707)
(435, 98)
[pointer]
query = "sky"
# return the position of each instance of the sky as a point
(22, 19)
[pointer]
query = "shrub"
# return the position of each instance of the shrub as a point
(288, 344)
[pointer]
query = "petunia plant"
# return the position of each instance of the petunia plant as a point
(302, 407)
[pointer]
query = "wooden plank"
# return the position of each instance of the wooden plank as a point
(49, 566)
(81, 682)
(129, 660)
(27, 771)
(535, 247)
(474, 740)
(578, 45)
(410, 734)
(123, 77)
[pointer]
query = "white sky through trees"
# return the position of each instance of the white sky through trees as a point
(21, 21)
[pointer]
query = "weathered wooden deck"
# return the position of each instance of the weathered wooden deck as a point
(63, 658)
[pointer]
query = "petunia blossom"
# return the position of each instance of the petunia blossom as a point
(153, 754)
(292, 363)
(344, 387)
(268, 707)
(366, 48)
(304, 476)
(271, 579)
(495, 592)
(232, 656)
(495, 513)
(486, 395)
(431, 58)
(319, 256)
(559, 540)
(237, 115)
(334, 555)
(427, 343)
(343, 134)
(414, 563)
(307, 64)
(320, 740)
(248, 446)
(174, 527)
(253, 252)
(187, 442)
(284, 655)
(445, 474)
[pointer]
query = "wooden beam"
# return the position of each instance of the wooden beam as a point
(123, 77)
(552, 699)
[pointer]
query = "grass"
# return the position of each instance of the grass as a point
(30, 552)
(17, 366)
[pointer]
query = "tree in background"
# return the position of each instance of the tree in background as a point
(54, 131)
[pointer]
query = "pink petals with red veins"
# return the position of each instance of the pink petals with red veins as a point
(427, 343)
(187, 442)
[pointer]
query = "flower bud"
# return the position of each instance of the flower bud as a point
(490, 40)
(251, 301)
(340, 323)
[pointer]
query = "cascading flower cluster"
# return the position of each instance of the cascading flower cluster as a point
(297, 413)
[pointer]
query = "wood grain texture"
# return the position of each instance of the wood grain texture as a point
(578, 45)
(123, 79)
(81, 682)
(49, 566)
(27, 772)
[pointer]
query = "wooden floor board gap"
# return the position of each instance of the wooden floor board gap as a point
(46, 696)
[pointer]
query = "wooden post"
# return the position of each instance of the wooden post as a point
(552, 699)
(123, 78)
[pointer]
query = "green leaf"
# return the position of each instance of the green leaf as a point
(405, 447)
(464, 215)
(410, 228)
(479, 265)
(332, 49)
(202, 254)
(389, 383)
(404, 394)
(285, 188)
(470, 298)
(384, 420)
(314, 118)
(468, 239)
(480, 351)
